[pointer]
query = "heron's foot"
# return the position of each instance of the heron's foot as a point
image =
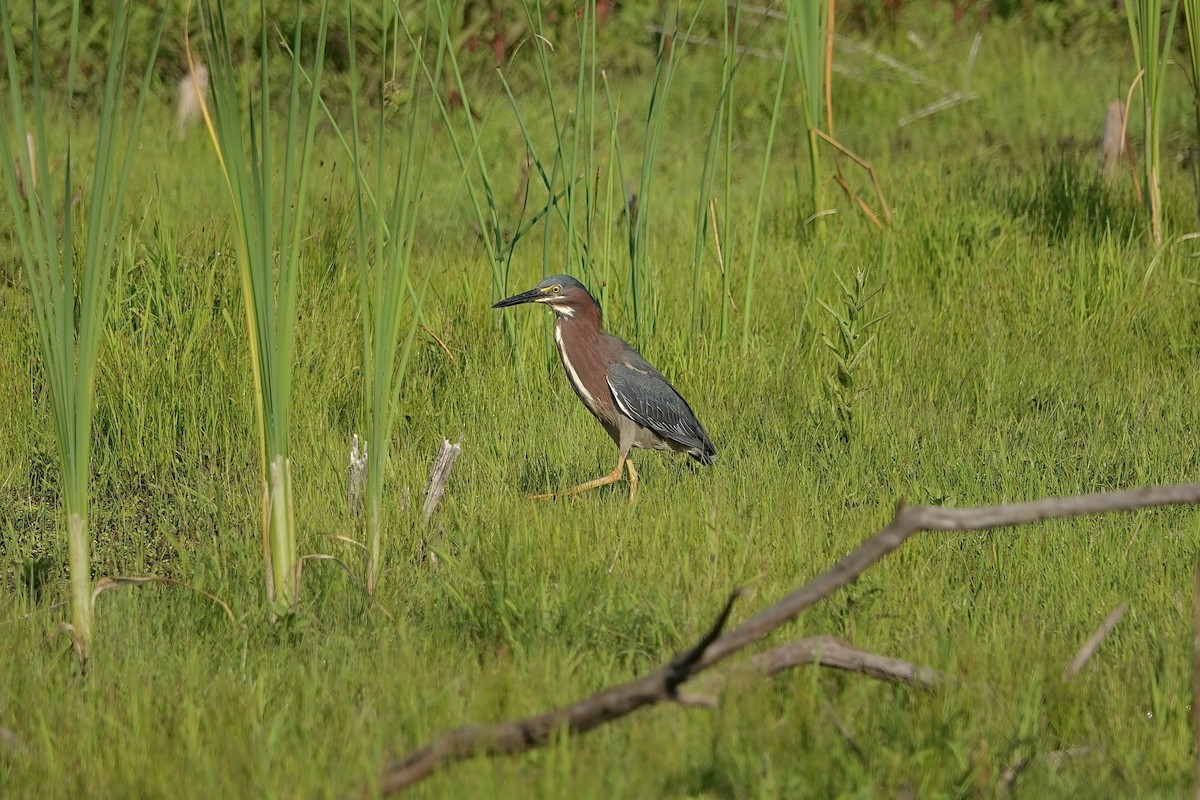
(606, 480)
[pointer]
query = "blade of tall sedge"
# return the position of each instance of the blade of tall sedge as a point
(609, 213)
(533, 14)
(748, 305)
(1135, 15)
(447, 47)
(664, 75)
(1161, 61)
(248, 233)
(615, 146)
(585, 118)
(366, 305)
(1191, 15)
(332, 120)
(727, 219)
(486, 220)
(806, 20)
(729, 64)
(570, 157)
(564, 159)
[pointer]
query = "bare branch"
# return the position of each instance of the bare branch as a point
(911, 520)
(1094, 641)
(661, 684)
(681, 666)
(826, 651)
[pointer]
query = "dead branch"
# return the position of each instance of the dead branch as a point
(827, 651)
(1094, 641)
(662, 684)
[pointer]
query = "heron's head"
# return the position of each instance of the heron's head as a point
(562, 293)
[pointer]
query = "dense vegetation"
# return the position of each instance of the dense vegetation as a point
(1032, 342)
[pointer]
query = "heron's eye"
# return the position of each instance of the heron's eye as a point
(555, 289)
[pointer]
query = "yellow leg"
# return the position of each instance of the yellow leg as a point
(633, 479)
(610, 478)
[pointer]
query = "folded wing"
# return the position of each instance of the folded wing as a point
(649, 399)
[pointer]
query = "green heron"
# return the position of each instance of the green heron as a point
(633, 401)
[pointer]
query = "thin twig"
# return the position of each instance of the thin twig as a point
(661, 684)
(887, 212)
(1094, 641)
(441, 344)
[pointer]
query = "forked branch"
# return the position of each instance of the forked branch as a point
(662, 684)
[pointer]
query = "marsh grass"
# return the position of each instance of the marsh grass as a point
(1030, 352)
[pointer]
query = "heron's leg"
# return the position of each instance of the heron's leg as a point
(633, 480)
(610, 478)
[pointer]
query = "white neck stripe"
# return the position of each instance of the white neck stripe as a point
(572, 375)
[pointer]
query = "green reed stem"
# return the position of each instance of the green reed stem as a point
(268, 229)
(70, 279)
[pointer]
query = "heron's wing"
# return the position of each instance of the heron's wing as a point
(646, 397)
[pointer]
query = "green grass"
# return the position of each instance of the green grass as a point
(1030, 350)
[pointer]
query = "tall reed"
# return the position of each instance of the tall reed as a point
(67, 237)
(385, 220)
(671, 48)
(764, 178)
(570, 169)
(1151, 49)
(718, 153)
(807, 21)
(1191, 14)
(268, 200)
